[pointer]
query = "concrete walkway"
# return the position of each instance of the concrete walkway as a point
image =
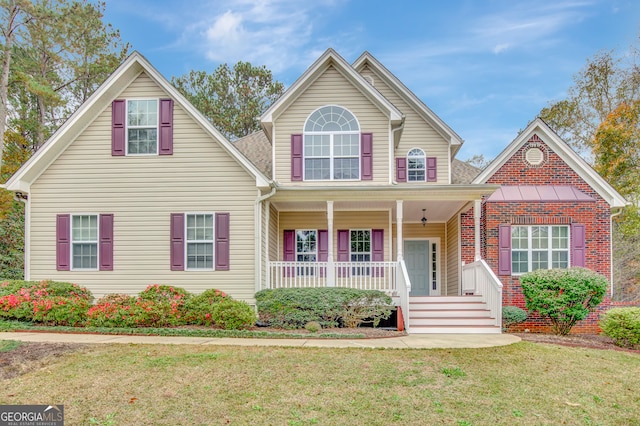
(413, 341)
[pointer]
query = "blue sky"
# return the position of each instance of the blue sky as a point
(486, 67)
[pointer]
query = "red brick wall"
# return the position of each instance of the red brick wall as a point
(595, 215)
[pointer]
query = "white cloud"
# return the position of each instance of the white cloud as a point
(500, 48)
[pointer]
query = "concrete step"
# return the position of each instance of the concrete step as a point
(447, 306)
(453, 321)
(448, 313)
(440, 329)
(447, 299)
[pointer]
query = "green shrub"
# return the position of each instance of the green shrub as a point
(49, 302)
(165, 293)
(199, 308)
(113, 310)
(231, 314)
(512, 315)
(292, 308)
(623, 326)
(313, 327)
(564, 296)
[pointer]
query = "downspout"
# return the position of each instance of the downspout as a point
(617, 213)
(257, 213)
(392, 166)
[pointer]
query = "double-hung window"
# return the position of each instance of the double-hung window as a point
(199, 241)
(84, 242)
(142, 126)
(416, 165)
(306, 250)
(331, 145)
(539, 247)
(360, 249)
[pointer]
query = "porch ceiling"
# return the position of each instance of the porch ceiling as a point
(436, 211)
(440, 202)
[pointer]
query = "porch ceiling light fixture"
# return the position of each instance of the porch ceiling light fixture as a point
(424, 219)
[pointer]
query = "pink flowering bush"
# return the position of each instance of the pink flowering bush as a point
(47, 302)
(200, 308)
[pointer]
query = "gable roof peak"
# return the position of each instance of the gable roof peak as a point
(328, 58)
(541, 129)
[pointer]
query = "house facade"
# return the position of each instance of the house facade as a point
(353, 182)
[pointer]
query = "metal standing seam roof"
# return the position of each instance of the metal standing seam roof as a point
(539, 193)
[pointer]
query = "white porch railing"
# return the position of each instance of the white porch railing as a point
(404, 287)
(361, 275)
(479, 277)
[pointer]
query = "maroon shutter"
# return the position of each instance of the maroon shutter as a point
(106, 242)
(289, 251)
(377, 250)
(504, 250)
(366, 156)
(177, 241)
(343, 251)
(401, 169)
(165, 133)
(296, 157)
(323, 245)
(289, 254)
(578, 246)
(222, 242)
(432, 169)
(323, 249)
(118, 128)
(63, 243)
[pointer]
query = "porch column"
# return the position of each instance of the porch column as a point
(477, 205)
(331, 277)
(399, 244)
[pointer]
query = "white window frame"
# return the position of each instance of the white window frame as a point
(303, 253)
(212, 242)
(414, 157)
(128, 126)
(549, 249)
(355, 270)
(332, 156)
(74, 242)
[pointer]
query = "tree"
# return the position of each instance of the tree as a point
(605, 82)
(232, 100)
(478, 160)
(616, 150)
(56, 55)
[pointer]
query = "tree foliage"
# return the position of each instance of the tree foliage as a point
(232, 99)
(56, 53)
(605, 82)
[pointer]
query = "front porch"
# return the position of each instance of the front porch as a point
(479, 310)
(406, 243)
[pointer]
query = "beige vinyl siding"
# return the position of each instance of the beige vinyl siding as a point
(417, 133)
(331, 88)
(453, 256)
(341, 220)
(274, 231)
(142, 192)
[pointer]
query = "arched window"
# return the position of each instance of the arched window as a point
(416, 165)
(331, 145)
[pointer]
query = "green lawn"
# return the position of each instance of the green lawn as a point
(525, 383)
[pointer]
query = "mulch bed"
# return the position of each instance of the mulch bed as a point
(591, 341)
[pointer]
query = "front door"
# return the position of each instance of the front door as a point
(421, 260)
